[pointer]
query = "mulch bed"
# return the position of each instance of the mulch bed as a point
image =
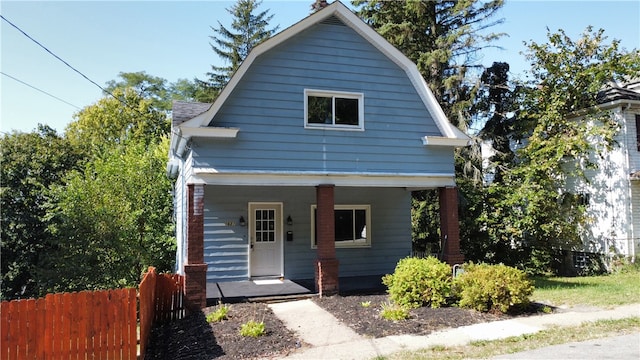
(366, 320)
(194, 339)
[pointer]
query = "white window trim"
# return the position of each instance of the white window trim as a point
(333, 94)
(344, 244)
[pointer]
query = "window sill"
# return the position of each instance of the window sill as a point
(333, 127)
(350, 246)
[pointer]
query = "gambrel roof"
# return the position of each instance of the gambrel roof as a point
(201, 125)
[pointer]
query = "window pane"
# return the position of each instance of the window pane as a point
(361, 224)
(319, 110)
(346, 111)
(344, 225)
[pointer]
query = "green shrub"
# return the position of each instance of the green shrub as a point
(485, 287)
(394, 312)
(252, 328)
(419, 282)
(218, 315)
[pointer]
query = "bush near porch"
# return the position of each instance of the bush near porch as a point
(428, 281)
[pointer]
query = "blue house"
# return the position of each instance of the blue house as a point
(303, 167)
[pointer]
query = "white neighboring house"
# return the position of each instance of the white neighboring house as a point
(613, 190)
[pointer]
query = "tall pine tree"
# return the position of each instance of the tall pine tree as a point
(248, 29)
(443, 37)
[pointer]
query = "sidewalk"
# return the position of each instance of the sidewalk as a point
(330, 339)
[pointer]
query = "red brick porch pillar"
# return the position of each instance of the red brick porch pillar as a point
(326, 265)
(195, 270)
(449, 226)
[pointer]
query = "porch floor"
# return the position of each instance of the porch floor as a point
(275, 289)
(231, 291)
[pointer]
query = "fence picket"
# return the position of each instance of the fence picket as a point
(133, 325)
(116, 326)
(76, 318)
(49, 342)
(12, 330)
(104, 326)
(81, 329)
(65, 325)
(4, 330)
(30, 322)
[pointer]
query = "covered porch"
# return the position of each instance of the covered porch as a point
(329, 270)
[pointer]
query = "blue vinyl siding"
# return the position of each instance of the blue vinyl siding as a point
(268, 107)
(226, 246)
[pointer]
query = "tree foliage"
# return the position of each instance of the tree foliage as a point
(563, 129)
(113, 121)
(90, 209)
(111, 220)
(158, 90)
(31, 164)
(248, 29)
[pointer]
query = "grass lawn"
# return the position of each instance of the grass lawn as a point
(606, 290)
(553, 336)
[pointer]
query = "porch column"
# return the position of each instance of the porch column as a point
(195, 270)
(326, 265)
(449, 226)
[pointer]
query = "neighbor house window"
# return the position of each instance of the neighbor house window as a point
(334, 110)
(352, 225)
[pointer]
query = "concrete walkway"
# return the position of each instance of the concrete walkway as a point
(313, 324)
(330, 339)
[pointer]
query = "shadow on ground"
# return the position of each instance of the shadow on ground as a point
(188, 338)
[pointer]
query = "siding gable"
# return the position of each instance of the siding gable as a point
(268, 107)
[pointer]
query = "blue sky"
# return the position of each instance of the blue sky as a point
(171, 40)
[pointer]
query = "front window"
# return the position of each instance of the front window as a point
(352, 225)
(333, 110)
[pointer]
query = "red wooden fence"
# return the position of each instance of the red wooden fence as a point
(83, 325)
(161, 300)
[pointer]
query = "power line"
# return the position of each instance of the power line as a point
(37, 89)
(59, 58)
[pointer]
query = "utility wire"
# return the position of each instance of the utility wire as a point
(42, 91)
(64, 62)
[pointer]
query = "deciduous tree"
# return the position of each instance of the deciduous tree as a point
(31, 164)
(563, 129)
(111, 220)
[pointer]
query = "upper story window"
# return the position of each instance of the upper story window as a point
(333, 110)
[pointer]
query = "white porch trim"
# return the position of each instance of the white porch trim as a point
(410, 181)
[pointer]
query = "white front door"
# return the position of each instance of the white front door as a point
(265, 237)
